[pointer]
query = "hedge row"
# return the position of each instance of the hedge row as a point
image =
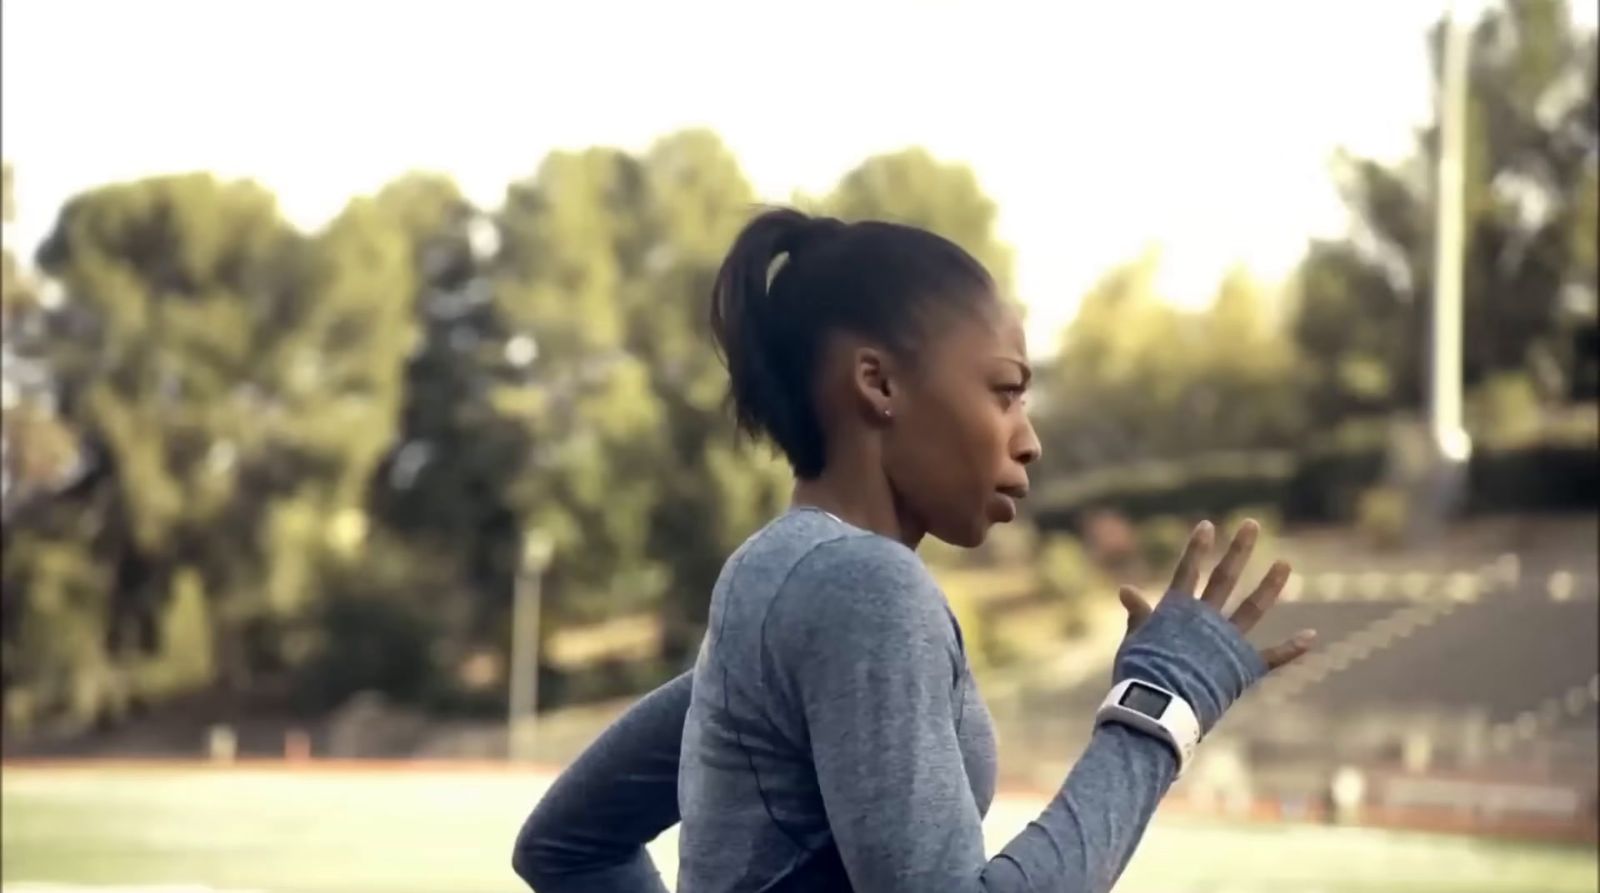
(1322, 484)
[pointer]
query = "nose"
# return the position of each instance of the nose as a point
(1025, 446)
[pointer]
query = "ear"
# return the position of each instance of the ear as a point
(872, 381)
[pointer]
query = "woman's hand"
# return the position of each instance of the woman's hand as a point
(1219, 586)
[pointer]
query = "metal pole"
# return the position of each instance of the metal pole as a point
(1444, 393)
(1445, 482)
(521, 719)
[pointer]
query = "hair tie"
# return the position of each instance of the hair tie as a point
(809, 235)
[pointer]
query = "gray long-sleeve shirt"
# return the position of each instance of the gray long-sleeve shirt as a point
(832, 739)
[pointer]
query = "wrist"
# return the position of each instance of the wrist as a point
(1156, 712)
(1188, 648)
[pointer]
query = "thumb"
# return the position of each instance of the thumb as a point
(1138, 608)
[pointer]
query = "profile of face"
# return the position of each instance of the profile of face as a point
(957, 441)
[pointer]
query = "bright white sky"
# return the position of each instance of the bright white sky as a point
(1098, 127)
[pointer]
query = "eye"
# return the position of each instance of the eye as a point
(1012, 393)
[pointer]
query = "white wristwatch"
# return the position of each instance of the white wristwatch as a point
(1155, 711)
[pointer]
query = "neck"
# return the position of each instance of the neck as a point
(859, 493)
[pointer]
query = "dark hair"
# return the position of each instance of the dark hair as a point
(876, 279)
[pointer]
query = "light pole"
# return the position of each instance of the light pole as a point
(522, 721)
(537, 549)
(1451, 445)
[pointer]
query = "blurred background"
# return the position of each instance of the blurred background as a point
(364, 453)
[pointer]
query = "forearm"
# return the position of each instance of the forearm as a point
(589, 830)
(636, 875)
(1084, 839)
(1088, 833)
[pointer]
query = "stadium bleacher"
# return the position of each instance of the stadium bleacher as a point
(1496, 667)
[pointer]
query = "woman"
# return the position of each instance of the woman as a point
(830, 736)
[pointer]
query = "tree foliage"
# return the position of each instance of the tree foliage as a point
(235, 383)
(1139, 378)
(1530, 178)
(239, 457)
(915, 188)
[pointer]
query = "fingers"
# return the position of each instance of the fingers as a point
(1138, 608)
(1281, 654)
(1261, 601)
(1220, 585)
(1186, 579)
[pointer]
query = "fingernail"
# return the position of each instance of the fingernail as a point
(1205, 527)
(1304, 638)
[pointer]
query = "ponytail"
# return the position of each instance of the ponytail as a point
(743, 324)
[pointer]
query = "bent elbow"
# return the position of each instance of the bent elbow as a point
(525, 865)
(531, 856)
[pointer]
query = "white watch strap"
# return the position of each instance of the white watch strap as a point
(1156, 711)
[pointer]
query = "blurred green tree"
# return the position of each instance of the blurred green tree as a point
(524, 408)
(440, 500)
(1138, 378)
(235, 384)
(39, 451)
(585, 407)
(1531, 184)
(913, 187)
(714, 489)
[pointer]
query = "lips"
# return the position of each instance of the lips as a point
(1006, 499)
(1014, 491)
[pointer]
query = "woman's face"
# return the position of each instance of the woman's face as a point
(957, 449)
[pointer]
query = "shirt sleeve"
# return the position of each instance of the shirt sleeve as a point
(589, 830)
(872, 659)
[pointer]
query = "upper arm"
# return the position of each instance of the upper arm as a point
(872, 659)
(620, 794)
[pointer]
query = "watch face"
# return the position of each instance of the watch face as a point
(1146, 700)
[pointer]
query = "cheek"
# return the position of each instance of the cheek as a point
(962, 445)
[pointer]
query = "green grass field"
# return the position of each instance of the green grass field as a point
(273, 831)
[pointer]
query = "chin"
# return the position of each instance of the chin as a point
(967, 537)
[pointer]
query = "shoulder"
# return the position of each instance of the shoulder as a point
(860, 587)
(858, 557)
